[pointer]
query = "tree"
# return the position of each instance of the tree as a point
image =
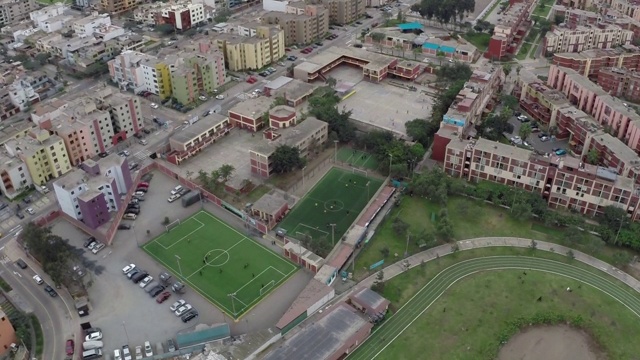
(399, 226)
(521, 210)
(444, 227)
(287, 158)
(225, 171)
(165, 29)
(222, 15)
(593, 156)
(506, 68)
(421, 130)
(416, 51)
(377, 38)
(378, 283)
(53, 252)
(558, 19)
(525, 131)
(509, 101)
(331, 82)
(573, 235)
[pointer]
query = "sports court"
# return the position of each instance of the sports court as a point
(357, 158)
(337, 199)
(229, 269)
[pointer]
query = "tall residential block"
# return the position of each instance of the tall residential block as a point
(252, 52)
(44, 155)
(118, 6)
(585, 38)
(13, 11)
(509, 30)
(308, 24)
(343, 12)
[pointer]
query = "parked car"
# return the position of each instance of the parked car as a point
(177, 305)
(38, 279)
(171, 345)
(143, 184)
(133, 273)
(129, 268)
(154, 106)
(165, 277)
(202, 98)
(177, 287)
(183, 309)
(561, 152)
(70, 347)
(138, 352)
(176, 189)
(89, 241)
(142, 189)
(94, 336)
(133, 211)
(147, 349)
(544, 138)
(139, 277)
(50, 291)
(98, 248)
(542, 134)
(189, 316)
(219, 97)
(156, 290)
(126, 353)
(124, 227)
(173, 198)
(163, 297)
(129, 216)
(30, 211)
(146, 281)
(21, 264)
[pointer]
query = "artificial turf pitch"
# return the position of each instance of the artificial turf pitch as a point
(217, 261)
(338, 198)
(357, 158)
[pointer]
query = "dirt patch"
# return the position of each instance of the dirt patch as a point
(551, 342)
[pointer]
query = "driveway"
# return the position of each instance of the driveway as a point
(543, 147)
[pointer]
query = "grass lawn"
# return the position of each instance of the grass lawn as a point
(216, 260)
(524, 51)
(543, 9)
(478, 308)
(479, 40)
(337, 198)
(470, 219)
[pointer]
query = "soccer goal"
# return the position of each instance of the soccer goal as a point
(360, 172)
(266, 288)
(172, 224)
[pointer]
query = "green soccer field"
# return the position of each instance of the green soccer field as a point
(218, 261)
(357, 158)
(338, 198)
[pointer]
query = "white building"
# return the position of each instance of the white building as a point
(126, 71)
(75, 184)
(15, 176)
(40, 16)
(196, 15)
(22, 94)
(108, 32)
(275, 5)
(249, 31)
(88, 25)
(56, 23)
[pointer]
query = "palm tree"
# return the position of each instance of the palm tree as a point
(416, 51)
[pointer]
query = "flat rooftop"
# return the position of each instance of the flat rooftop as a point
(509, 151)
(194, 130)
(334, 53)
(322, 339)
(289, 136)
(252, 108)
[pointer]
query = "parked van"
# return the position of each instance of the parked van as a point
(91, 354)
(90, 345)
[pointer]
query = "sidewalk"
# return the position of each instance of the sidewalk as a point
(428, 255)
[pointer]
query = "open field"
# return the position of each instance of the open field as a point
(470, 219)
(337, 198)
(467, 307)
(479, 40)
(227, 268)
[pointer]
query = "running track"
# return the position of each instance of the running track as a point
(423, 299)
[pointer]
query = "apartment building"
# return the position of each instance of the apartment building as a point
(44, 155)
(118, 6)
(85, 129)
(14, 11)
(582, 38)
(305, 28)
(308, 135)
(7, 108)
(589, 63)
(25, 90)
(88, 25)
(577, 4)
(343, 12)
(124, 110)
(15, 176)
(626, 7)
(156, 76)
(196, 137)
(126, 70)
(620, 83)
(509, 30)
(564, 182)
(183, 16)
(41, 17)
(198, 72)
(252, 53)
(540, 101)
(92, 193)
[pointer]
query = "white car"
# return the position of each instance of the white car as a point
(116, 354)
(127, 269)
(146, 281)
(94, 336)
(126, 153)
(176, 190)
(202, 98)
(154, 106)
(183, 309)
(176, 305)
(173, 198)
(30, 211)
(220, 97)
(97, 248)
(126, 354)
(138, 352)
(147, 349)
(38, 279)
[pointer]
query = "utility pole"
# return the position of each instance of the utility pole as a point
(233, 304)
(406, 249)
(333, 230)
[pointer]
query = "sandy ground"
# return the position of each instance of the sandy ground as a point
(550, 343)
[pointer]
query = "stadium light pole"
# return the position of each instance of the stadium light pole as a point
(179, 268)
(333, 230)
(368, 195)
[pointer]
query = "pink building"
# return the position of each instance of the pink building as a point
(578, 89)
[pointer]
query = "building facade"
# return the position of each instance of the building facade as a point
(585, 38)
(118, 6)
(184, 16)
(589, 63)
(13, 11)
(343, 12)
(88, 25)
(44, 155)
(196, 137)
(254, 52)
(620, 83)
(15, 176)
(509, 29)
(305, 28)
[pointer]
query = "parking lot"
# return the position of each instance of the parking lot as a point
(36, 202)
(542, 147)
(125, 312)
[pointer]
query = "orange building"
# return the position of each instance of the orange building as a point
(7, 334)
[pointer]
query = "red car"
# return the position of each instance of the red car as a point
(164, 296)
(251, 80)
(143, 184)
(71, 348)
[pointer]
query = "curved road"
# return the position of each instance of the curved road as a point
(423, 299)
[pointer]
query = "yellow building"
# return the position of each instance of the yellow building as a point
(157, 76)
(45, 155)
(252, 52)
